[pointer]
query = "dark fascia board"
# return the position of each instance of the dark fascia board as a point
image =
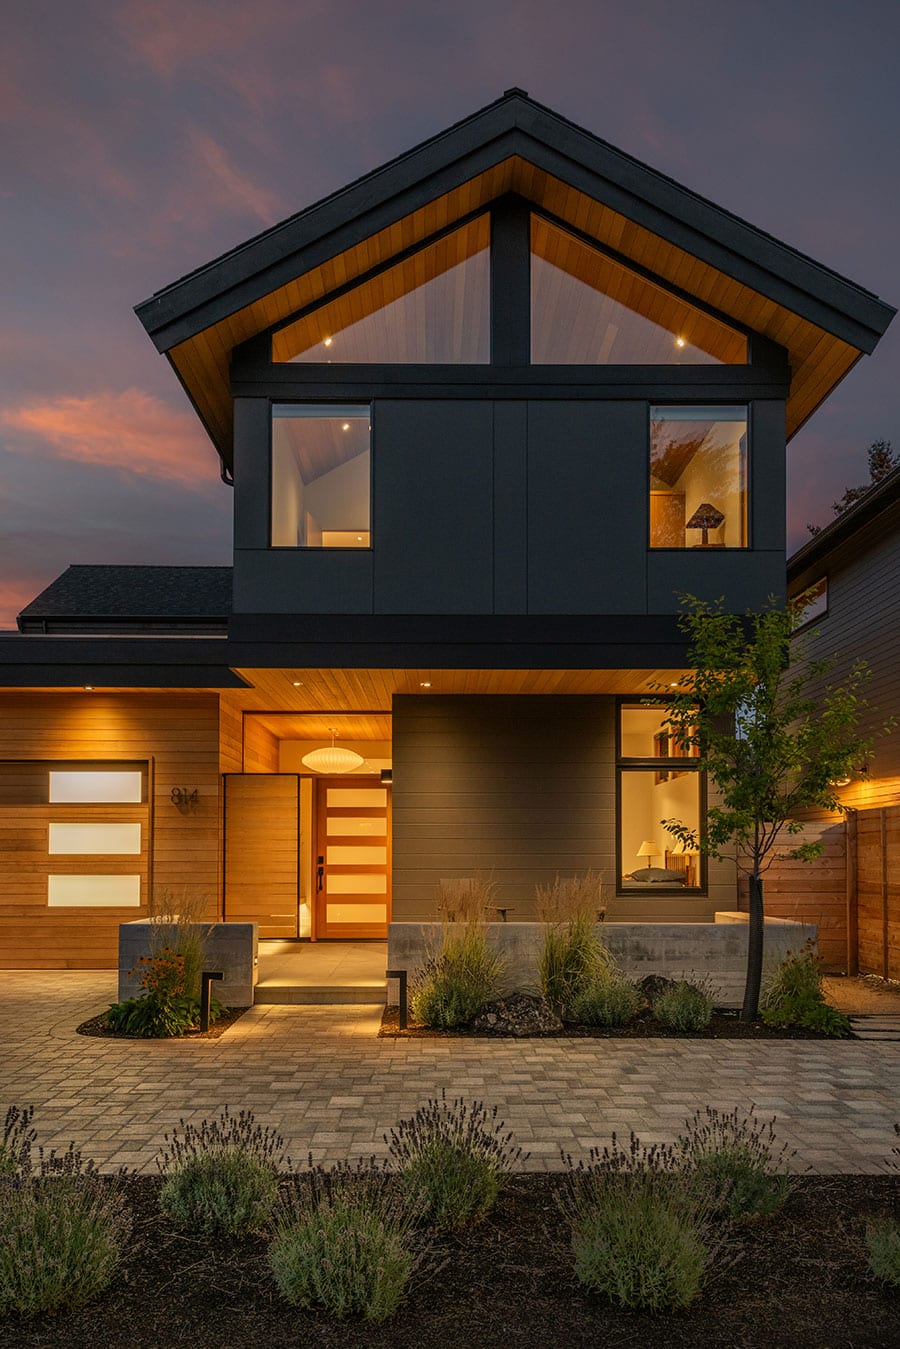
(62, 662)
(456, 642)
(514, 125)
(877, 501)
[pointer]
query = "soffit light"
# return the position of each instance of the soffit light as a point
(332, 758)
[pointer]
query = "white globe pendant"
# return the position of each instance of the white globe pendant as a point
(332, 759)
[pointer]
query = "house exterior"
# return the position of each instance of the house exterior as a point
(845, 579)
(485, 412)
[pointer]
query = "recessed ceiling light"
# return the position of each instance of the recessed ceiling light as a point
(89, 688)
(425, 685)
(298, 683)
(346, 426)
(679, 341)
(359, 538)
(327, 342)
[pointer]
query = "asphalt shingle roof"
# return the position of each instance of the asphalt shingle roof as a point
(135, 592)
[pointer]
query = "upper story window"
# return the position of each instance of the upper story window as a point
(321, 476)
(810, 604)
(431, 308)
(698, 477)
(587, 309)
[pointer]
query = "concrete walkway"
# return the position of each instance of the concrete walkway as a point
(321, 1077)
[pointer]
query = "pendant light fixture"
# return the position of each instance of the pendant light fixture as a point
(332, 758)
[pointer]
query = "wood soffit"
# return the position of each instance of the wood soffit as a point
(342, 692)
(818, 359)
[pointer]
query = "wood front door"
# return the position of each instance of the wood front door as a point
(262, 851)
(352, 858)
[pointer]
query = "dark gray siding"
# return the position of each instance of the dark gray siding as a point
(433, 517)
(863, 623)
(587, 508)
(486, 506)
(521, 788)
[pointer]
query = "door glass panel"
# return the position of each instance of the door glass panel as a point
(357, 913)
(374, 797)
(108, 839)
(357, 885)
(356, 857)
(347, 825)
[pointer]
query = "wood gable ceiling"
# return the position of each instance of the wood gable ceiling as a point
(745, 275)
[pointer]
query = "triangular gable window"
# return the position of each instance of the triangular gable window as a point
(587, 309)
(431, 308)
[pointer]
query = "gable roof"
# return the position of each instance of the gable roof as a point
(515, 144)
(855, 523)
(138, 598)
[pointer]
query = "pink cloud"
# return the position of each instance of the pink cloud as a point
(14, 595)
(131, 431)
(224, 185)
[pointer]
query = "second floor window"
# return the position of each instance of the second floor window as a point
(321, 476)
(698, 477)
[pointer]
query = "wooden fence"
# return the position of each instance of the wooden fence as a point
(851, 892)
(877, 897)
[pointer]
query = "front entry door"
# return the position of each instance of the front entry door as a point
(352, 857)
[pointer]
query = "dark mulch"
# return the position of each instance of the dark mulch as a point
(725, 1025)
(97, 1026)
(799, 1279)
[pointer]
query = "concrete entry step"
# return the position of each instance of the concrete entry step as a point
(325, 972)
(267, 994)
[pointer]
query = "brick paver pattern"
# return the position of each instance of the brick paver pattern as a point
(323, 1079)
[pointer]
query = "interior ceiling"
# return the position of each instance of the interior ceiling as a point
(818, 359)
(370, 691)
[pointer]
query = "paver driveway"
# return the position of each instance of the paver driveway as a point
(320, 1075)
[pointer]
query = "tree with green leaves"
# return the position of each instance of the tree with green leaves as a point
(771, 749)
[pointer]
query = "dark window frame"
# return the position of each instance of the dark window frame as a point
(748, 473)
(319, 402)
(502, 212)
(652, 764)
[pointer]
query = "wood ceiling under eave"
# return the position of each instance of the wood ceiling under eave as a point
(818, 359)
(342, 691)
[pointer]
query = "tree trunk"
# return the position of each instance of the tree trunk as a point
(750, 1009)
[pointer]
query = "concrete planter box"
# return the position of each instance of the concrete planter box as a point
(232, 948)
(717, 950)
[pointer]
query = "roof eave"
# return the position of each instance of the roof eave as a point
(514, 124)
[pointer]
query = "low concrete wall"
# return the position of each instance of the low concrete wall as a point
(232, 948)
(717, 950)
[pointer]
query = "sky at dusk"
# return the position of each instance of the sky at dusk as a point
(141, 138)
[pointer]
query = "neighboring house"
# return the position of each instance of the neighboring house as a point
(847, 580)
(487, 411)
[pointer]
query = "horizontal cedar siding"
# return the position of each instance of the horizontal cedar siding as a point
(179, 738)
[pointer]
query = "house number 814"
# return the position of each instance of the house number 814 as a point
(184, 796)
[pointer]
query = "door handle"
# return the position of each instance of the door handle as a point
(320, 872)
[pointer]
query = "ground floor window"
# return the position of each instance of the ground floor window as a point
(657, 779)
